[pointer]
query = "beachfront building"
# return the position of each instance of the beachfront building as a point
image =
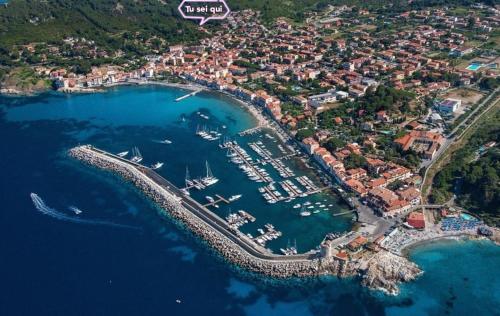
(416, 220)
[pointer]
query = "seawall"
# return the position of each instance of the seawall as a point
(265, 263)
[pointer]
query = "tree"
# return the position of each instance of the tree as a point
(354, 161)
(334, 143)
(304, 133)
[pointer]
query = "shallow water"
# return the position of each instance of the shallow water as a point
(52, 267)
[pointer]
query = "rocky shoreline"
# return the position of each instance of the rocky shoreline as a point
(386, 270)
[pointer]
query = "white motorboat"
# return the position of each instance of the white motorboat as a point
(136, 155)
(122, 154)
(234, 197)
(157, 165)
(75, 210)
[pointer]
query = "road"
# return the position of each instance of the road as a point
(452, 136)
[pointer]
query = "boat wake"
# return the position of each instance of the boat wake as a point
(47, 210)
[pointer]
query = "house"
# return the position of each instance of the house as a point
(424, 142)
(416, 220)
(357, 243)
(310, 145)
(449, 105)
(316, 101)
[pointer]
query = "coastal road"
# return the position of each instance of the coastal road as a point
(452, 136)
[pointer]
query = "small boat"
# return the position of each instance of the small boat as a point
(210, 199)
(75, 209)
(137, 157)
(166, 141)
(157, 165)
(305, 213)
(122, 154)
(316, 211)
(234, 197)
(178, 301)
(296, 205)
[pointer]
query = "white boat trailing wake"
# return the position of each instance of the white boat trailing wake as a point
(47, 210)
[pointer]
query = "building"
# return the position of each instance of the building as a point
(416, 220)
(316, 101)
(424, 142)
(356, 244)
(449, 105)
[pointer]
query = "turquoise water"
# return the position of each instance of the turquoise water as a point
(52, 267)
(460, 274)
(474, 66)
(467, 217)
(142, 116)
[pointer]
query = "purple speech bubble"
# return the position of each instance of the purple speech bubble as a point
(196, 14)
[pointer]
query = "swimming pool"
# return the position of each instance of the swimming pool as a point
(474, 66)
(467, 217)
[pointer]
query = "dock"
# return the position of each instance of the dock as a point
(219, 200)
(267, 157)
(188, 95)
(250, 131)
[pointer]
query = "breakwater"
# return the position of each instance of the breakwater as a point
(233, 246)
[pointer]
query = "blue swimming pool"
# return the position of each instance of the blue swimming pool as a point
(474, 66)
(467, 217)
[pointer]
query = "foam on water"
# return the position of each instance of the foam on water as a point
(43, 208)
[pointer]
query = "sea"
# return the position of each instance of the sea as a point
(94, 245)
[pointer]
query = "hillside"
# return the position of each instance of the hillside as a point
(103, 21)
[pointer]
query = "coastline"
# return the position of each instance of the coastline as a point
(405, 251)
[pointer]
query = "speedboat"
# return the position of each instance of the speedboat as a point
(75, 209)
(166, 141)
(234, 197)
(157, 165)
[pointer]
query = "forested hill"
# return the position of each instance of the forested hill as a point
(100, 20)
(24, 21)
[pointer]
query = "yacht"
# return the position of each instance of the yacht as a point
(157, 165)
(234, 197)
(209, 179)
(210, 199)
(136, 155)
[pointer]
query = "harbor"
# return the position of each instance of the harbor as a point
(245, 250)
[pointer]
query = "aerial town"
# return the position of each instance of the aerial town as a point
(373, 104)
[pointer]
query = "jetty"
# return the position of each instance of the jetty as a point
(188, 95)
(250, 131)
(217, 201)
